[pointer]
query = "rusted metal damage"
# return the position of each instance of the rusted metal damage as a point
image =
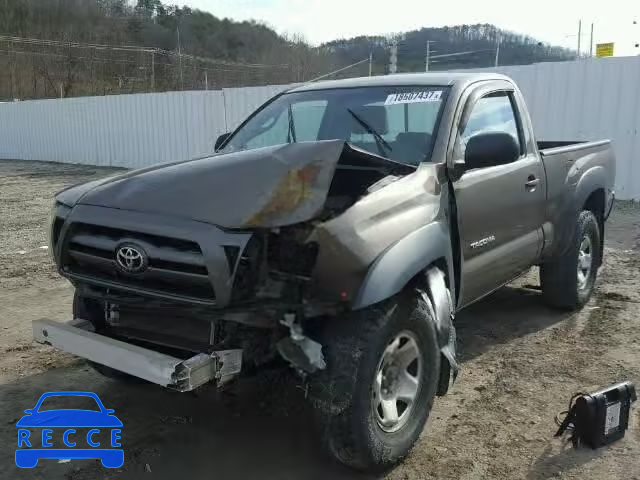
(295, 188)
(310, 188)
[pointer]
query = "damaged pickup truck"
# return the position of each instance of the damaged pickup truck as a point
(339, 228)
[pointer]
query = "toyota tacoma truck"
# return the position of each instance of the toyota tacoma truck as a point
(338, 230)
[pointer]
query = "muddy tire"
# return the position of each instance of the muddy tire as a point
(568, 281)
(93, 311)
(383, 365)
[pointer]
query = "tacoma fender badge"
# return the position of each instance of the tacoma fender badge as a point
(483, 242)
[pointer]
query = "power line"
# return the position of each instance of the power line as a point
(133, 49)
(59, 55)
(238, 67)
(337, 71)
(59, 43)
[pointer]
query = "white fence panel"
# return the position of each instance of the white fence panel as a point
(121, 130)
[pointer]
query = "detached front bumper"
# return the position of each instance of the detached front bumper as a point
(77, 337)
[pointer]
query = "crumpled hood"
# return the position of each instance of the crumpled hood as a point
(266, 187)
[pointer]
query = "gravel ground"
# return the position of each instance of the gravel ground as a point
(521, 362)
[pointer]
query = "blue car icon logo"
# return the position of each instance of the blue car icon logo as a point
(69, 433)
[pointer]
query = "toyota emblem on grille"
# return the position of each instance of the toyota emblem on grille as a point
(131, 259)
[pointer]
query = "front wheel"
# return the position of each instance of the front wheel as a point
(568, 281)
(383, 365)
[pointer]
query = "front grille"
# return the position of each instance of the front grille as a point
(175, 266)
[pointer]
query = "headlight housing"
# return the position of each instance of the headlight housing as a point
(57, 216)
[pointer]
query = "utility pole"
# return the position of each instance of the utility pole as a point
(429, 42)
(495, 64)
(206, 80)
(579, 36)
(393, 58)
(370, 62)
(591, 42)
(153, 71)
(180, 59)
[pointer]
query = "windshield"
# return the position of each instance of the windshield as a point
(398, 123)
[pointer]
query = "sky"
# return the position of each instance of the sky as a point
(553, 21)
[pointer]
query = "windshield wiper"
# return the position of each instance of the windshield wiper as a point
(291, 134)
(380, 142)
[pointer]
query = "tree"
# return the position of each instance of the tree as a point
(240, 48)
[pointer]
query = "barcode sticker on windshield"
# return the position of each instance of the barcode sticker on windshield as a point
(414, 97)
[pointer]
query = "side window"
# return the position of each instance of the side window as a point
(493, 113)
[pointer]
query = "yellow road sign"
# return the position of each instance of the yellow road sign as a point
(604, 50)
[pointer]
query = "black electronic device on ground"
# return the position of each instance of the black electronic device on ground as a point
(599, 418)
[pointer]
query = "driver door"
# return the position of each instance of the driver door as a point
(499, 215)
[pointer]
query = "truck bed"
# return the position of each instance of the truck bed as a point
(565, 161)
(572, 151)
(549, 144)
(565, 164)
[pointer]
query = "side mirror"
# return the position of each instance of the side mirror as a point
(221, 140)
(29, 411)
(490, 149)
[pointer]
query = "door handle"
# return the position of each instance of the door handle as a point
(532, 182)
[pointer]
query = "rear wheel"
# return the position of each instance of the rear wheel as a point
(568, 281)
(93, 311)
(383, 365)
